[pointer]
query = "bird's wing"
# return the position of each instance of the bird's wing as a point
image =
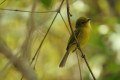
(72, 38)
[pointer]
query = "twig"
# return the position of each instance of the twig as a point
(2, 2)
(76, 52)
(83, 56)
(79, 65)
(37, 52)
(17, 10)
(65, 23)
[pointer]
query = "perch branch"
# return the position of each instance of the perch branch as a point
(79, 65)
(83, 55)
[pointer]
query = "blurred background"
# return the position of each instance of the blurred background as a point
(24, 33)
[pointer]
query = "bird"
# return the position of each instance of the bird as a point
(82, 33)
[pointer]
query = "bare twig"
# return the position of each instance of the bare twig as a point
(83, 55)
(79, 65)
(2, 2)
(17, 10)
(20, 64)
(37, 52)
(65, 23)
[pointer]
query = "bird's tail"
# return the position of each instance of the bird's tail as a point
(62, 63)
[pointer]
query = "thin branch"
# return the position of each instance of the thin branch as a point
(20, 64)
(34, 65)
(79, 66)
(83, 55)
(17, 10)
(2, 2)
(30, 29)
(37, 52)
(65, 23)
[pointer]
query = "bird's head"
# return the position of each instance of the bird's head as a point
(82, 21)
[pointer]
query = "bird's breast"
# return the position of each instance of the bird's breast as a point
(84, 35)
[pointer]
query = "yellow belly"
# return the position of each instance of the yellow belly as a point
(82, 37)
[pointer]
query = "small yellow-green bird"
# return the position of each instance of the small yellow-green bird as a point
(82, 31)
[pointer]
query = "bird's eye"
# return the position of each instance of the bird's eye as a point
(83, 22)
